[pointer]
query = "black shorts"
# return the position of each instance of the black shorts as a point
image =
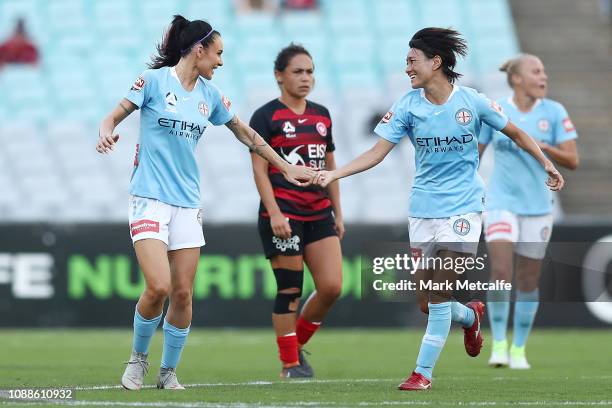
(302, 234)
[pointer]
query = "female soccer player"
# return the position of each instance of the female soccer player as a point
(518, 215)
(443, 122)
(298, 224)
(176, 100)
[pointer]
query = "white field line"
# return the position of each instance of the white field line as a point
(320, 404)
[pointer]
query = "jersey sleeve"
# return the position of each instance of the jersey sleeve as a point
(490, 112)
(261, 125)
(564, 128)
(220, 112)
(331, 146)
(393, 126)
(486, 134)
(140, 92)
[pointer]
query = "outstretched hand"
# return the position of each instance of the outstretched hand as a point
(324, 178)
(555, 180)
(299, 175)
(107, 143)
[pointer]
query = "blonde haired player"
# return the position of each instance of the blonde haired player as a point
(518, 219)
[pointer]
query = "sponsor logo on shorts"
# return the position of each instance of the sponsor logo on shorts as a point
(463, 116)
(322, 129)
(284, 244)
(461, 226)
(387, 117)
(138, 84)
(144, 226)
(545, 233)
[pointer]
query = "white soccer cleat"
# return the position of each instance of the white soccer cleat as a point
(137, 368)
(518, 361)
(167, 380)
(499, 354)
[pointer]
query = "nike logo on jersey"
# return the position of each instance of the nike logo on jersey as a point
(438, 112)
(300, 121)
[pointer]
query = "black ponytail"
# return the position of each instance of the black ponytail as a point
(180, 39)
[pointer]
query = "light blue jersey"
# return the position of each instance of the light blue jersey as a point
(172, 121)
(445, 138)
(518, 180)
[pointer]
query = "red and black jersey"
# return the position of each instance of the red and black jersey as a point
(301, 140)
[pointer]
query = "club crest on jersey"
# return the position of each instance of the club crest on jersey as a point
(568, 125)
(171, 100)
(203, 108)
(226, 102)
(461, 227)
(387, 117)
(543, 125)
(138, 84)
(322, 129)
(289, 130)
(463, 116)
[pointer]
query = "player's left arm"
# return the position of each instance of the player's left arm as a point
(524, 141)
(298, 175)
(334, 194)
(564, 154)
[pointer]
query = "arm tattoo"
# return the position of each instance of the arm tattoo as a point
(124, 108)
(247, 136)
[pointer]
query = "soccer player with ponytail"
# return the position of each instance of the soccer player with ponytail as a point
(176, 101)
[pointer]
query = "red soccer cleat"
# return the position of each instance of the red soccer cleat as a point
(472, 337)
(416, 382)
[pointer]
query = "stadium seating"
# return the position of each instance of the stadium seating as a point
(93, 50)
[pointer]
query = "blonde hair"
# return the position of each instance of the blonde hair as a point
(513, 65)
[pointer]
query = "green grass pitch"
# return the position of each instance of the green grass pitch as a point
(362, 368)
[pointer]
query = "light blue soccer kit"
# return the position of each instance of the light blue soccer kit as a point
(519, 204)
(447, 195)
(165, 184)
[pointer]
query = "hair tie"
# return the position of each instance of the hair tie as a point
(199, 41)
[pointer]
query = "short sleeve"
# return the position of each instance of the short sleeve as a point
(331, 146)
(140, 91)
(564, 128)
(490, 112)
(220, 112)
(486, 134)
(261, 124)
(393, 125)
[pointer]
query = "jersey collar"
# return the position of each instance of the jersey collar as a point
(175, 75)
(511, 103)
(455, 89)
